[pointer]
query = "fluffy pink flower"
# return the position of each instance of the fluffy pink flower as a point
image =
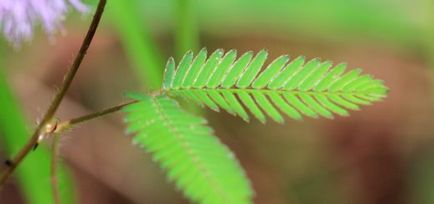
(18, 17)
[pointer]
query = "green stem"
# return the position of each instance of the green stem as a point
(186, 32)
(54, 165)
(137, 42)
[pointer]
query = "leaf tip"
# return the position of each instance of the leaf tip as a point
(298, 118)
(262, 120)
(263, 52)
(331, 116)
(204, 49)
(219, 51)
(171, 59)
(245, 118)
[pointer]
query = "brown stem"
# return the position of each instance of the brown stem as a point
(58, 97)
(68, 123)
(99, 113)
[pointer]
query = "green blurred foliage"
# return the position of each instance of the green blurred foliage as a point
(186, 33)
(422, 176)
(391, 21)
(140, 48)
(406, 24)
(34, 172)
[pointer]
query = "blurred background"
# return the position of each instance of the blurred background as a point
(381, 154)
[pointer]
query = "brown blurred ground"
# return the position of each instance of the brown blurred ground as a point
(364, 158)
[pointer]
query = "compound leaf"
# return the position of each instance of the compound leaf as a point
(311, 88)
(184, 145)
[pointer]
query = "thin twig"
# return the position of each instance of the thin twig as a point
(54, 163)
(84, 118)
(59, 95)
(62, 126)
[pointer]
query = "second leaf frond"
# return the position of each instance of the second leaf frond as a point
(183, 144)
(312, 88)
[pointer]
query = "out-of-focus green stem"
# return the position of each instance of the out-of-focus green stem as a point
(186, 32)
(34, 173)
(136, 39)
(430, 35)
(54, 168)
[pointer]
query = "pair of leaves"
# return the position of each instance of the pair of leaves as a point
(185, 146)
(296, 87)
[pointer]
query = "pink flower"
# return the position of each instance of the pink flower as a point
(18, 17)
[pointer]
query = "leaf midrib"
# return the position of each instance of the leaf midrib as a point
(267, 91)
(186, 145)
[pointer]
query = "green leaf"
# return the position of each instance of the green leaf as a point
(251, 105)
(235, 104)
(267, 106)
(297, 79)
(237, 69)
(207, 68)
(169, 73)
(270, 72)
(193, 72)
(218, 98)
(290, 69)
(252, 70)
(183, 67)
(183, 144)
(293, 88)
(221, 69)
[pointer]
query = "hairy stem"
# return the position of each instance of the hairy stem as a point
(58, 97)
(54, 164)
(68, 123)
(84, 118)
